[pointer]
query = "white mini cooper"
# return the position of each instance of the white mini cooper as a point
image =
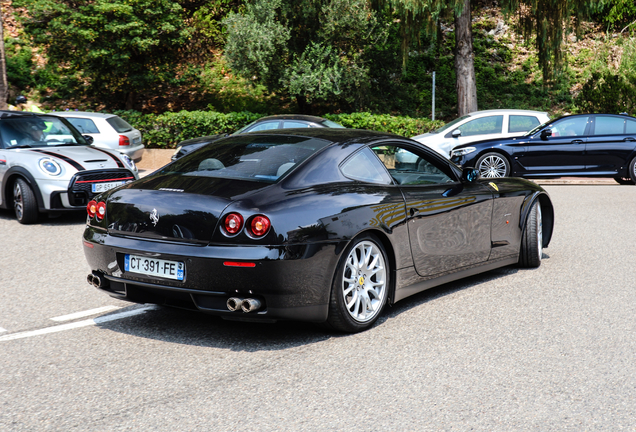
(47, 166)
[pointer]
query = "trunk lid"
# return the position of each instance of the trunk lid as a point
(173, 207)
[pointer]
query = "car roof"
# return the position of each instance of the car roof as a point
(335, 135)
(308, 118)
(9, 114)
(504, 111)
(85, 114)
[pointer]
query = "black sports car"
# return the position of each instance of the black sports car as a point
(281, 121)
(590, 145)
(318, 225)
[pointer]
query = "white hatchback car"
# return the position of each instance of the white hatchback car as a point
(108, 131)
(482, 125)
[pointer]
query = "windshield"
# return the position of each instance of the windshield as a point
(38, 131)
(255, 158)
(538, 128)
(331, 124)
(450, 125)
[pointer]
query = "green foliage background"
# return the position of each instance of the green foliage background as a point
(237, 59)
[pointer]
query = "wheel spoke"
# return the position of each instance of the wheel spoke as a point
(364, 281)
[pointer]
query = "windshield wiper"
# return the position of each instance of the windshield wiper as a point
(21, 146)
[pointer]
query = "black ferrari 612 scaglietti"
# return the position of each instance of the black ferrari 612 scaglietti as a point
(319, 225)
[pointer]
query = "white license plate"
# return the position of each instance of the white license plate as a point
(154, 267)
(103, 187)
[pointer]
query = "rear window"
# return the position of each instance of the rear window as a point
(522, 123)
(119, 124)
(254, 158)
(83, 125)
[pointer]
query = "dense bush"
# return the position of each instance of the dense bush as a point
(609, 93)
(168, 129)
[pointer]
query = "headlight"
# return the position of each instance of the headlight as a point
(462, 151)
(130, 164)
(50, 166)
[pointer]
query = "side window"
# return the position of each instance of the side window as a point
(264, 126)
(409, 167)
(363, 166)
(609, 125)
(569, 127)
(482, 126)
(294, 124)
(83, 125)
(522, 123)
(630, 126)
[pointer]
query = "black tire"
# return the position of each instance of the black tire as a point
(360, 286)
(532, 238)
(493, 165)
(632, 171)
(24, 203)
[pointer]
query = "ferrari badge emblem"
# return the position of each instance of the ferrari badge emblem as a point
(154, 217)
(494, 186)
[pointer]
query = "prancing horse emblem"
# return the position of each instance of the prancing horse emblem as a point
(154, 217)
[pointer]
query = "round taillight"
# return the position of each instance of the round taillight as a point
(233, 223)
(260, 225)
(91, 208)
(101, 211)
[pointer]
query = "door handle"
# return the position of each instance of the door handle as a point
(629, 139)
(577, 142)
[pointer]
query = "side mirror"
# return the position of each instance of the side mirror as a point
(545, 133)
(469, 175)
(456, 133)
(89, 139)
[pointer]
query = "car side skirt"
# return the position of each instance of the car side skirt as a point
(405, 287)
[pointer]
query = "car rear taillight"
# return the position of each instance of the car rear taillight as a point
(123, 140)
(101, 211)
(233, 223)
(91, 208)
(260, 225)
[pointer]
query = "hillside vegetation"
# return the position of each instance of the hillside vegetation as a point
(599, 72)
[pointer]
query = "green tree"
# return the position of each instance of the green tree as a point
(312, 50)
(548, 21)
(415, 14)
(118, 48)
(4, 85)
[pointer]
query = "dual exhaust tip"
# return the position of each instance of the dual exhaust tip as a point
(246, 305)
(96, 281)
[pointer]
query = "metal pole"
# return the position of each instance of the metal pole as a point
(433, 95)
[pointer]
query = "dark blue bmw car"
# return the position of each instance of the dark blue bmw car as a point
(590, 145)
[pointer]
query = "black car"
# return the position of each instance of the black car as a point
(590, 145)
(317, 225)
(282, 121)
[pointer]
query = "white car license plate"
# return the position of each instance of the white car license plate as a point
(103, 187)
(154, 267)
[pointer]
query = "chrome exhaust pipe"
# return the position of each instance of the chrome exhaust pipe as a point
(89, 279)
(97, 281)
(234, 303)
(250, 305)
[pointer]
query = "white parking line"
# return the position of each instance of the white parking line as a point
(2, 330)
(86, 313)
(78, 324)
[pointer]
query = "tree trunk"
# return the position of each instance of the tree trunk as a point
(4, 85)
(130, 101)
(464, 63)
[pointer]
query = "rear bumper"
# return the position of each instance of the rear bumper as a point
(291, 282)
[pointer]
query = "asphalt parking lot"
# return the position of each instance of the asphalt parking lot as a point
(512, 349)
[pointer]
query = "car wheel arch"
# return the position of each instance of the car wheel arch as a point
(547, 211)
(382, 237)
(11, 176)
(502, 153)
